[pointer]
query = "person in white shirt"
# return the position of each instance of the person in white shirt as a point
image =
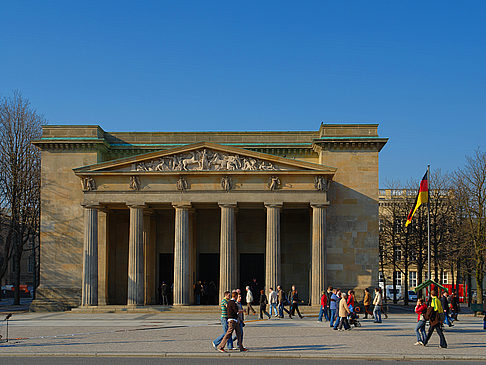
(273, 297)
(377, 302)
(249, 300)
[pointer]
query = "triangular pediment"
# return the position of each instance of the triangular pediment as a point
(204, 157)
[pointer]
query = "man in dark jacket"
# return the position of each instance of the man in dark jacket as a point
(232, 312)
(455, 306)
(445, 306)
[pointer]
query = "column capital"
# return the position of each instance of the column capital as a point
(273, 205)
(227, 205)
(182, 205)
(136, 205)
(96, 206)
(319, 205)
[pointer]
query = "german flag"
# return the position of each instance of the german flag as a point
(422, 197)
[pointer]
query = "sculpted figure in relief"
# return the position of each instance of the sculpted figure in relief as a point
(204, 160)
(226, 183)
(274, 183)
(134, 183)
(321, 183)
(88, 183)
(182, 184)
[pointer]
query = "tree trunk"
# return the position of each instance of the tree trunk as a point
(479, 281)
(469, 289)
(17, 257)
(458, 275)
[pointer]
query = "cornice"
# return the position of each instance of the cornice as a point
(349, 143)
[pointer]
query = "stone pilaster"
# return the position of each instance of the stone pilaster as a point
(227, 250)
(272, 251)
(318, 269)
(135, 295)
(182, 283)
(90, 257)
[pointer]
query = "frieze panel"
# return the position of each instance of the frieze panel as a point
(205, 160)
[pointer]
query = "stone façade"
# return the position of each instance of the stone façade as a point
(85, 165)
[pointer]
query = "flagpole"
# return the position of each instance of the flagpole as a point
(428, 223)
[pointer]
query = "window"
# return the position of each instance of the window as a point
(397, 277)
(445, 277)
(380, 277)
(398, 253)
(412, 279)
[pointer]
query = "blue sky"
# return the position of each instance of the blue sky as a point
(418, 68)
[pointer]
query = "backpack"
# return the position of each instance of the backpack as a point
(429, 314)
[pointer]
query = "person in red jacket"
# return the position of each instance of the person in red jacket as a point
(350, 301)
(420, 309)
(323, 309)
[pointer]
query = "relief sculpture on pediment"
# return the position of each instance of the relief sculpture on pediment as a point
(205, 160)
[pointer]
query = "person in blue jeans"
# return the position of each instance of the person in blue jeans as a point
(377, 302)
(338, 301)
(333, 307)
(420, 309)
(323, 310)
(445, 306)
(224, 322)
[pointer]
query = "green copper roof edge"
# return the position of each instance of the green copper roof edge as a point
(361, 137)
(68, 138)
(226, 144)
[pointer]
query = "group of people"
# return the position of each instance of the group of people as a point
(438, 312)
(277, 300)
(233, 313)
(337, 306)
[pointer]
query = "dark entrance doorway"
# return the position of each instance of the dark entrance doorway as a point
(208, 275)
(166, 274)
(252, 266)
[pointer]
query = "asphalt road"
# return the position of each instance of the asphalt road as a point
(205, 361)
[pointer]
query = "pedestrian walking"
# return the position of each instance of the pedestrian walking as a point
(232, 320)
(273, 302)
(295, 303)
(249, 300)
(367, 303)
(377, 303)
(433, 315)
(241, 316)
(339, 294)
(263, 305)
(164, 291)
(282, 302)
(445, 306)
(420, 309)
(344, 312)
(224, 322)
(328, 305)
(350, 300)
(334, 307)
(323, 310)
(455, 306)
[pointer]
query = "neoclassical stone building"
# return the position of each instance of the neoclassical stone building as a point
(123, 212)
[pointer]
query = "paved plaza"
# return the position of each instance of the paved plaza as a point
(190, 334)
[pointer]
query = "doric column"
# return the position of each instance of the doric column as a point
(90, 257)
(135, 257)
(318, 269)
(272, 251)
(182, 283)
(227, 249)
